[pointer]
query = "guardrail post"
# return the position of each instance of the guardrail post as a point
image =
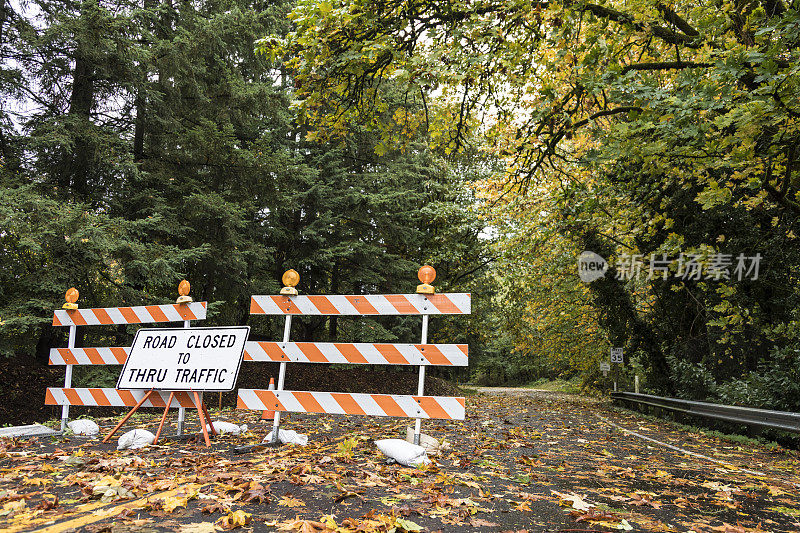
(636, 383)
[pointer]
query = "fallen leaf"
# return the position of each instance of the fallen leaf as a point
(344, 494)
(290, 501)
(199, 527)
(727, 528)
(173, 502)
(235, 519)
(36, 481)
(775, 491)
(480, 522)
(49, 501)
(576, 501)
(257, 493)
(523, 506)
(215, 507)
(407, 525)
(304, 526)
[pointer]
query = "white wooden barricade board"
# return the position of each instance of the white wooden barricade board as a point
(395, 405)
(110, 397)
(357, 353)
(363, 304)
(345, 403)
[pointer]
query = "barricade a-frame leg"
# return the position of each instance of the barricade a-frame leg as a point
(130, 414)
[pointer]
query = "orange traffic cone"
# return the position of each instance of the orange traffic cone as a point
(269, 415)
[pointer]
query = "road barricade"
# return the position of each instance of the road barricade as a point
(422, 355)
(71, 316)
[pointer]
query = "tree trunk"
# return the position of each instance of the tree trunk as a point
(47, 339)
(141, 101)
(138, 128)
(77, 164)
(333, 322)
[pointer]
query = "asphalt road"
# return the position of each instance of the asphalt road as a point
(522, 461)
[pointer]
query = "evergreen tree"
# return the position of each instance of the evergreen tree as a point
(160, 146)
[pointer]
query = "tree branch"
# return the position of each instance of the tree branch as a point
(665, 34)
(664, 65)
(673, 18)
(605, 113)
(776, 195)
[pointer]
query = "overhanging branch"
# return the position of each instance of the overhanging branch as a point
(605, 113)
(664, 65)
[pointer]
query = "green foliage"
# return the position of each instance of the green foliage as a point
(47, 246)
(625, 128)
(772, 385)
(152, 143)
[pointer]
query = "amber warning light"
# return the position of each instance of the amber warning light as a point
(290, 279)
(426, 275)
(183, 291)
(71, 297)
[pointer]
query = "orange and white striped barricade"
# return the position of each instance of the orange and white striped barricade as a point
(185, 310)
(422, 355)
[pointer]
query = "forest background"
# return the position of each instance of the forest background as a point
(225, 141)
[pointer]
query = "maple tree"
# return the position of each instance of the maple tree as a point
(630, 128)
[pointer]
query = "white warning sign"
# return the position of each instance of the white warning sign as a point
(185, 359)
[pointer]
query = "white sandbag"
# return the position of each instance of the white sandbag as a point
(287, 436)
(430, 444)
(226, 427)
(403, 452)
(84, 427)
(135, 438)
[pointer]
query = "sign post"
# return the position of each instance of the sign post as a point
(605, 366)
(71, 297)
(195, 360)
(426, 275)
(618, 358)
(290, 280)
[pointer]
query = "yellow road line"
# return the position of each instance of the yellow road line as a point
(90, 518)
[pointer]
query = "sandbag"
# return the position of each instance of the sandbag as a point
(287, 436)
(403, 452)
(226, 427)
(430, 444)
(135, 438)
(84, 427)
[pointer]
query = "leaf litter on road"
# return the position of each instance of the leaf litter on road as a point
(536, 463)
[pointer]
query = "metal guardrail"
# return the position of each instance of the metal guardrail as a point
(779, 420)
